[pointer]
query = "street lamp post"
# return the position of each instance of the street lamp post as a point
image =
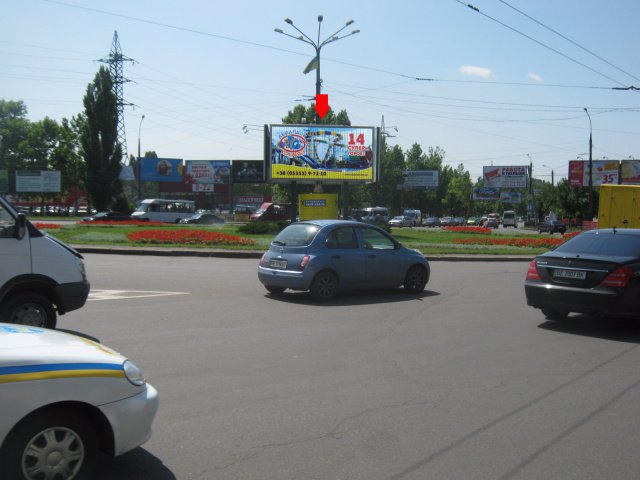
(590, 165)
(313, 64)
(317, 46)
(138, 163)
(547, 166)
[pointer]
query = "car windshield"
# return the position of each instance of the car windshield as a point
(297, 235)
(603, 243)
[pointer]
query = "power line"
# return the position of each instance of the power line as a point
(570, 41)
(477, 10)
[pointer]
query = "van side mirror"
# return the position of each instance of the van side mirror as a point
(21, 226)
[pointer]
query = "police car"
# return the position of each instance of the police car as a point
(63, 398)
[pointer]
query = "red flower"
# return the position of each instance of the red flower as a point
(188, 237)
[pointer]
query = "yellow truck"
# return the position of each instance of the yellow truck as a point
(619, 206)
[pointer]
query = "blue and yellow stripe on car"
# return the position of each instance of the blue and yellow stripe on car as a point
(50, 371)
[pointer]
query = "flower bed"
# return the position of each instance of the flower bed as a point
(47, 225)
(187, 237)
(513, 242)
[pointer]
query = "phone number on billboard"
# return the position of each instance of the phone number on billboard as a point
(301, 173)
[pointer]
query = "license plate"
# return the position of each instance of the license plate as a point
(278, 263)
(570, 274)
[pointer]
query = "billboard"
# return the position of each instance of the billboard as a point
(421, 179)
(161, 169)
(38, 181)
(604, 172)
(314, 153)
(505, 177)
(484, 194)
(630, 172)
(511, 197)
(207, 172)
(247, 171)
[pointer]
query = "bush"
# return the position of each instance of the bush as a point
(121, 204)
(262, 227)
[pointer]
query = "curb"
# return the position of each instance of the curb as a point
(200, 252)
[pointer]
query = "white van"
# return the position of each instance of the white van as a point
(40, 276)
(414, 215)
(509, 219)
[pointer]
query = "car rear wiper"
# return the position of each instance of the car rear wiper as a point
(279, 242)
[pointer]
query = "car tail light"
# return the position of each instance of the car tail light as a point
(618, 278)
(304, 262)
(532, 273)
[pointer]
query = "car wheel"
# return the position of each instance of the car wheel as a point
(30, 309)
(324, 286)
(49, 444)
(554, 314)
(272, 289)
(416, 279)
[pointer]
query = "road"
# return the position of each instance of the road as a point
(462, 382)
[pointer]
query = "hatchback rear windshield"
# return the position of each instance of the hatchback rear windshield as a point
(603, 243)
(297, 235)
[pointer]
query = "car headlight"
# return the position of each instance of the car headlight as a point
(133, 373)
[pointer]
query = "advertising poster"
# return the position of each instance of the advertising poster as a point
(630, 172)
(40, 181)
(505, 177)
(161, 169)
(482, 194)
(247, 171)
(4, 180)
(576, 173)
(604, 172)
(511, 197)
(421, 179)
(208, 172)
(322, 152)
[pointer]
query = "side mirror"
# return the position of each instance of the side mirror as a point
(21, 226)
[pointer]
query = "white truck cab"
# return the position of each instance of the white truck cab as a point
(40, 276)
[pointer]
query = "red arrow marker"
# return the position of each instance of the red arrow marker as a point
(322, 104)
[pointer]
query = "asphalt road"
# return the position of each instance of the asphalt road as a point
(462, 382)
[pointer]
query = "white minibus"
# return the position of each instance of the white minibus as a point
(163, 210)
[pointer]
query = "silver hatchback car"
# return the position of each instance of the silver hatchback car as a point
(326, 256)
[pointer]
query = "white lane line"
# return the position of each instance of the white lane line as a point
(126, 294)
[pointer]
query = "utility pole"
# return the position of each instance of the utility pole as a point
(115, 61)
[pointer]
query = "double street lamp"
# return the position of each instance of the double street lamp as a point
(317, 45)
(138, 163)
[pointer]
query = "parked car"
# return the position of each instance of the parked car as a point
(203, 218)
(414, 215)
(272, 212)
(597, 272)
(471, 221)
(491, 222)
(459, 221)
(326, 256)
(447, 222)
(63, 399)
(552, 226)
(109, 216)
(431, 222)
(401, 221)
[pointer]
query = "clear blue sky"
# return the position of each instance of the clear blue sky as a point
(205, 68)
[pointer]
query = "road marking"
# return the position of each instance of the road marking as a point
(126, 294)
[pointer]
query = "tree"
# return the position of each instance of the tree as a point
(67, 158)
(14, 128)
(99, 139)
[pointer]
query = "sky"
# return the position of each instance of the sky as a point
(504, 83)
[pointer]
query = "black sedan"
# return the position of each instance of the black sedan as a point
(552, 226)
(109, 216)
(596, 273)
(203, 218)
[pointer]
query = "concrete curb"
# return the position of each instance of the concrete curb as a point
(220, 253)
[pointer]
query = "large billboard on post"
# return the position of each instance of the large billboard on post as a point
(505, 177)
(247, 171)
(38, 181)
(161, 169)
(630, 172)
(312, 153)
(604, 172)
